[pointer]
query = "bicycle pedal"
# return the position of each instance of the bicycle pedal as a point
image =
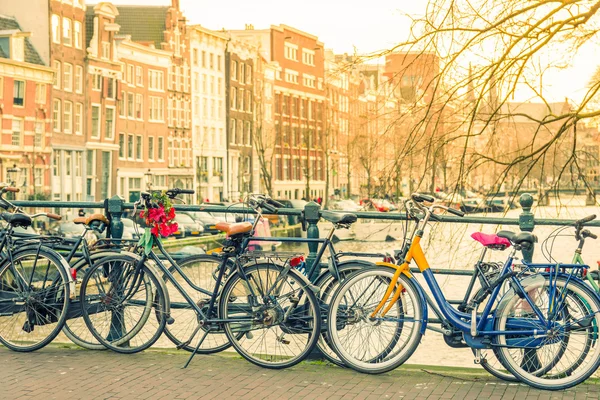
(170, 320)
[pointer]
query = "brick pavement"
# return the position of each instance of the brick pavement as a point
(68, 373)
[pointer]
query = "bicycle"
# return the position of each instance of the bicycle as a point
(261, 298)
(541, 311)
(35, 285)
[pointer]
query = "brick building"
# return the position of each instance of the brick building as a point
(240, 69)
(164, 28)
(209, 116)
(25, 112)
(299, 94)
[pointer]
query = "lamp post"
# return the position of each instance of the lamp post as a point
(12, 174)
(148, 175)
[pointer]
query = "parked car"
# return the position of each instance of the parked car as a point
(207, 220)
(131, 230)
(69, 230)
(343, 205)
(373, 205)
(187, 226)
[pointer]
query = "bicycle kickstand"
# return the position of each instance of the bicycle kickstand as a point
(196, 349)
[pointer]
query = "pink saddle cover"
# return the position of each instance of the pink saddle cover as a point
(490, 239)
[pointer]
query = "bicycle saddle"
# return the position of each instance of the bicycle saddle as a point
(338, 217)
(234, 229)
(17, 219)
(90, 219)
(520, 238)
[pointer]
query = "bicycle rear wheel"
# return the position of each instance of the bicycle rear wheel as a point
(380, 344)
(34, 298)
(123, 304)
(278, 315)
(566, 352)
(201, 271)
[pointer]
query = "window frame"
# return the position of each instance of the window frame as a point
(67, 119)
(67, 27)
(22, 90)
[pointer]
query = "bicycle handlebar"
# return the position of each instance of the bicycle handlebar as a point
(585, 220)
(418, 197)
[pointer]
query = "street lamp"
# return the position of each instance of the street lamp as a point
(12, 174)
(148, 175)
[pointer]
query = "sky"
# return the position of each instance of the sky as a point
(363, 26)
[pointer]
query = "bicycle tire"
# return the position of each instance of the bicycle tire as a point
(345, 312)
(567, 377)
(118, 286)
(303, 327)
(44, 309)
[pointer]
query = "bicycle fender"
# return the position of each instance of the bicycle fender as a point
(405, 270)
(152, 266)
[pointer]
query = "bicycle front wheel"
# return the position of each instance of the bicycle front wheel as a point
(272, 319)
(377, 344)
(118, 298)
(564, 352)
(34, 298)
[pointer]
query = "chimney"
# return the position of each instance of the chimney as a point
(249, 27)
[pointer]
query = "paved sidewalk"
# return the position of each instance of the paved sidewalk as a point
(68, 373)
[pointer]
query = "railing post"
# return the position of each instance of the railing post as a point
(311, 215)
(526, 222)
(114, 209)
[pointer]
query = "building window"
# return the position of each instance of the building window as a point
(130, 109)
(156, 80)
(218, 167)
(38, 174)
(105, 50)
(291, 76)
(138, 148)
(56, 115)
(161, 149)
(66, 22)
(121, 145)
(38, 140)
(122, 104)
(151, 148)
(203, 59)
(195, 56)
(212, 61)
(67, 117)
(56, 163)
(241, 100)
(234, 70)
(139, 78)
(218, 63)
(55, 28)
(78, 118)
(67, 77)
(57, 75)
(138, 106)
(309, 81)
(78, 163)
(242, 75)
(157, 108)
(130, 72)
(232, 131)
(95, 121)
(78, 79)
(111, 89)
(248, 73)
(78, 34)
(68, 163)
(248, 133)
(308, 57)
(109, 123)
(19, 93)
(130, 146)
(291, 52)
(17, 131)
(40, 93)
(96, 81)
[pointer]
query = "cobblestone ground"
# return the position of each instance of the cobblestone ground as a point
(67, 373)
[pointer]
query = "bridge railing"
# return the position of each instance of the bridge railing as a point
(115, 207)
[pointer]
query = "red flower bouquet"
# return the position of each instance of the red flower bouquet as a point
(159, 220)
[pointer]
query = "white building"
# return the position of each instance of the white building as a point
(208, 113)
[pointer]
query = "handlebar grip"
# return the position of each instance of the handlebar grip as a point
(55, 217)
(185, 191)
(593, 235)
(12, 189)
(269, 208)
(586, 219)
(275, 203)
(423, 197)
(458, 213)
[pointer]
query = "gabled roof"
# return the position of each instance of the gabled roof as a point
(143, 23)
(31, 54)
